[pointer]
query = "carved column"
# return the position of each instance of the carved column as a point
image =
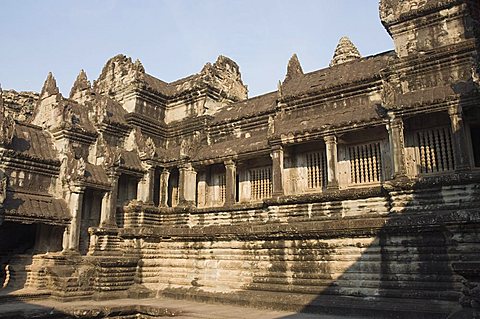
(164, 187)
(146, 186)
(331, 152)
(277, 171)
(109, 205)
(397, 146)
(460, 141)
(187, 184)
(76, 206)
(230, 182)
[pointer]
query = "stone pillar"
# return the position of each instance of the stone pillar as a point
(76, 206)
(187, 185)
(397, 146)
(460, 141)
(164, 187)
(109, 205)
(331, 152)
(230, 182)
(277, 171)
(65, 239)
(146, 186)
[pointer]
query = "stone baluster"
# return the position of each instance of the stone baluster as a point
(230, 182)
(187, 185)
(331, 152)
(109, 205)
(397, 146)
(76, 206)
(146, 186)
(164, 176)
(277, 171)
(460, 141)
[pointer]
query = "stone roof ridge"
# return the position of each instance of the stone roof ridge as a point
(345, 51)
(156, 79)
(388, 53)
(49, 86)
(247, 108)
(81, 84)
(185, 79)
(257, 97)
(294, 68)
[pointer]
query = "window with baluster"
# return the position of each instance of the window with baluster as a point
(365, 163)
(316, 169)
(434, 150)
(218, 187)
(260, 182)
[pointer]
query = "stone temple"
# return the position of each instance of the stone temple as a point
(354, 189)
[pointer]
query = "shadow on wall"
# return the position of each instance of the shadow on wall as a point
(398, 270)
(423, 262)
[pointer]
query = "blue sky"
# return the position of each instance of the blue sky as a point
(175, 38)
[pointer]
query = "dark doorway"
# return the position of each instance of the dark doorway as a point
(16, 239)
(475, 132)
(156, 187)
(91, 210)
(173, 188)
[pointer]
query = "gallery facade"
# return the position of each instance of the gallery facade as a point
(353, 189)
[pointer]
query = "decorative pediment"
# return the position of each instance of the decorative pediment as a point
(7, 124)
(225, 75)
(118, 73)
(136, 141)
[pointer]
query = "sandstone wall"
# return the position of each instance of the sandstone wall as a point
(374, 250)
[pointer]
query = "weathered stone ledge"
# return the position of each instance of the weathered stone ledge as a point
(337, 227)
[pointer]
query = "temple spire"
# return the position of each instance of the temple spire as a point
(50, 86)
(345, 52)
(294, 68)
(80, 84)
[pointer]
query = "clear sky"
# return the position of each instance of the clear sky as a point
(175, 38)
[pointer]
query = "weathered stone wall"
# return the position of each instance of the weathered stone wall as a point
(377, 247)
(20, 104)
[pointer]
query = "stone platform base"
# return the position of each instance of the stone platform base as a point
(324, 304)
(144, 308)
